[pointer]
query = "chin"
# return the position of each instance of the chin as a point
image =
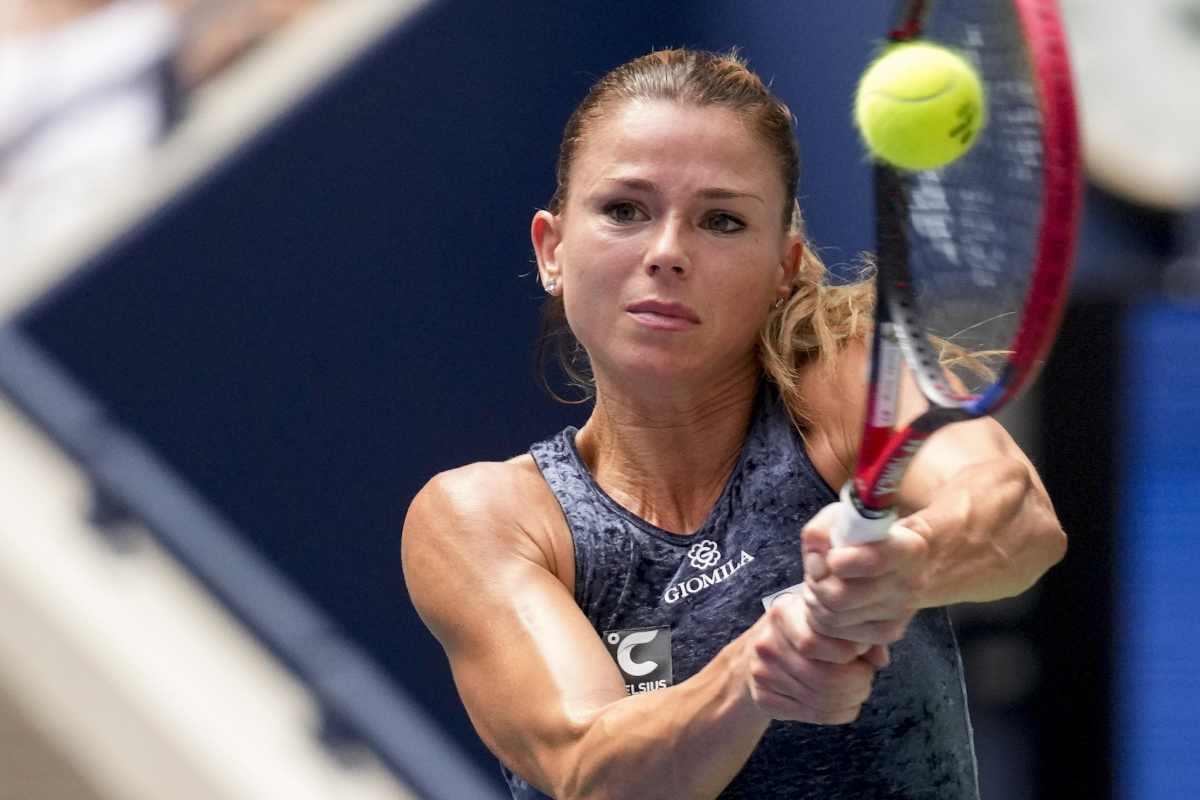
(666, 370)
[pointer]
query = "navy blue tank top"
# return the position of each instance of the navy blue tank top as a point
(665, 604)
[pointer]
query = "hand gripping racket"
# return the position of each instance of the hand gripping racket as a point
(973, 260)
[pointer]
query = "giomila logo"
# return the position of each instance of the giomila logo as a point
(703, 555)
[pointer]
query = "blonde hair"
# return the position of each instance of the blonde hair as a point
(816, 322)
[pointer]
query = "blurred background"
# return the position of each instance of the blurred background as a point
(264, 269)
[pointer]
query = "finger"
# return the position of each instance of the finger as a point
(817, 534)
(893, 593)
(824, 518)
(794, 637)
(903, 551)
(892, 605)
(818, 684)
(815, 566)
(780, 706)
(884, 632)
(878, 656)
(819, 692)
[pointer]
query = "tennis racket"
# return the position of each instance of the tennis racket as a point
(973, 260)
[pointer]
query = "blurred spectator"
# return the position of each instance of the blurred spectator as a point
(88, 86)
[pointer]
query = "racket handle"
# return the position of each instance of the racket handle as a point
(851, 527)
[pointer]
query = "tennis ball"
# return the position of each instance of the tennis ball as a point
(919, 106)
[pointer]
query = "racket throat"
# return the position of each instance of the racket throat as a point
(878, 480)
(874, 491)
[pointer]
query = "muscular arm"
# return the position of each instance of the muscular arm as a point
(976, 522)
(978, 503)
(541, 688)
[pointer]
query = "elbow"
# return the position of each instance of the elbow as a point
(576, 781)
(1057, 542)
(1048, 546)
(1044, 542)
(582, 781)
(1048, 531)
(1054, 543)
(606, 763)
(582, 771)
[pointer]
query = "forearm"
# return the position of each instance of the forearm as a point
(688, 740)
(992, 533)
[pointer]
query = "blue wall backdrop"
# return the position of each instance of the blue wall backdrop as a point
(1157, 623)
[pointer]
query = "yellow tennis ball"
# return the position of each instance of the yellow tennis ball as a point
(919, 106)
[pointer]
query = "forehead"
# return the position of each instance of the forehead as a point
(665, 141)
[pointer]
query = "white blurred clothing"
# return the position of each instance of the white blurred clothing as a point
(78, 105)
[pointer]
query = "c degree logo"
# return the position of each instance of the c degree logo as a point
(643, 656)
(625, 647)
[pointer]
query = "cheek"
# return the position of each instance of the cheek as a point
(745, 299)
(750, 278)
(595, 274)
(596, 263)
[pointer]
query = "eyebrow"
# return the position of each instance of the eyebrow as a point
(710, 193)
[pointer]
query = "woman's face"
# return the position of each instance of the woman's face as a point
(670, 249)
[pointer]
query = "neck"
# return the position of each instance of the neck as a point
(667, 458)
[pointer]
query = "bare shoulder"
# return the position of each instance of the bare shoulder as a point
(487, 491)
(480, 517)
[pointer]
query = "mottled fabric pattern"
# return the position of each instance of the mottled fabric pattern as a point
(913, 738)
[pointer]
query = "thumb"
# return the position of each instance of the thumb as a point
(816, 540)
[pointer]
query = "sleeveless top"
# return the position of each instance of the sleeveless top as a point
(665, 604)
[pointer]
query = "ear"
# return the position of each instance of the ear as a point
(789, 265)
(546, 233)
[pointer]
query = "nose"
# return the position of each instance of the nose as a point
(668, 253)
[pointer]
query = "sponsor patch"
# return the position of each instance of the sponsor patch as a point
(644, 657)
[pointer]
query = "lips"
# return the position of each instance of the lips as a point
(659, 309)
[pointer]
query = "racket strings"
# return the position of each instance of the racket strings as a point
(973, 227)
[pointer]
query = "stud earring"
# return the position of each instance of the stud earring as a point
(551, 285)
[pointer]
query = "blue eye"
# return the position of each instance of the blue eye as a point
(724, 223)
(623, 211)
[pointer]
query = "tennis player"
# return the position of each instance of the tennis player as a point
(650, 606)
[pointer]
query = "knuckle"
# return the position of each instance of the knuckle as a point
(805, 642)
(764, 650)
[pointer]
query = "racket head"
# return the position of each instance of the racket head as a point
(974, 260)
